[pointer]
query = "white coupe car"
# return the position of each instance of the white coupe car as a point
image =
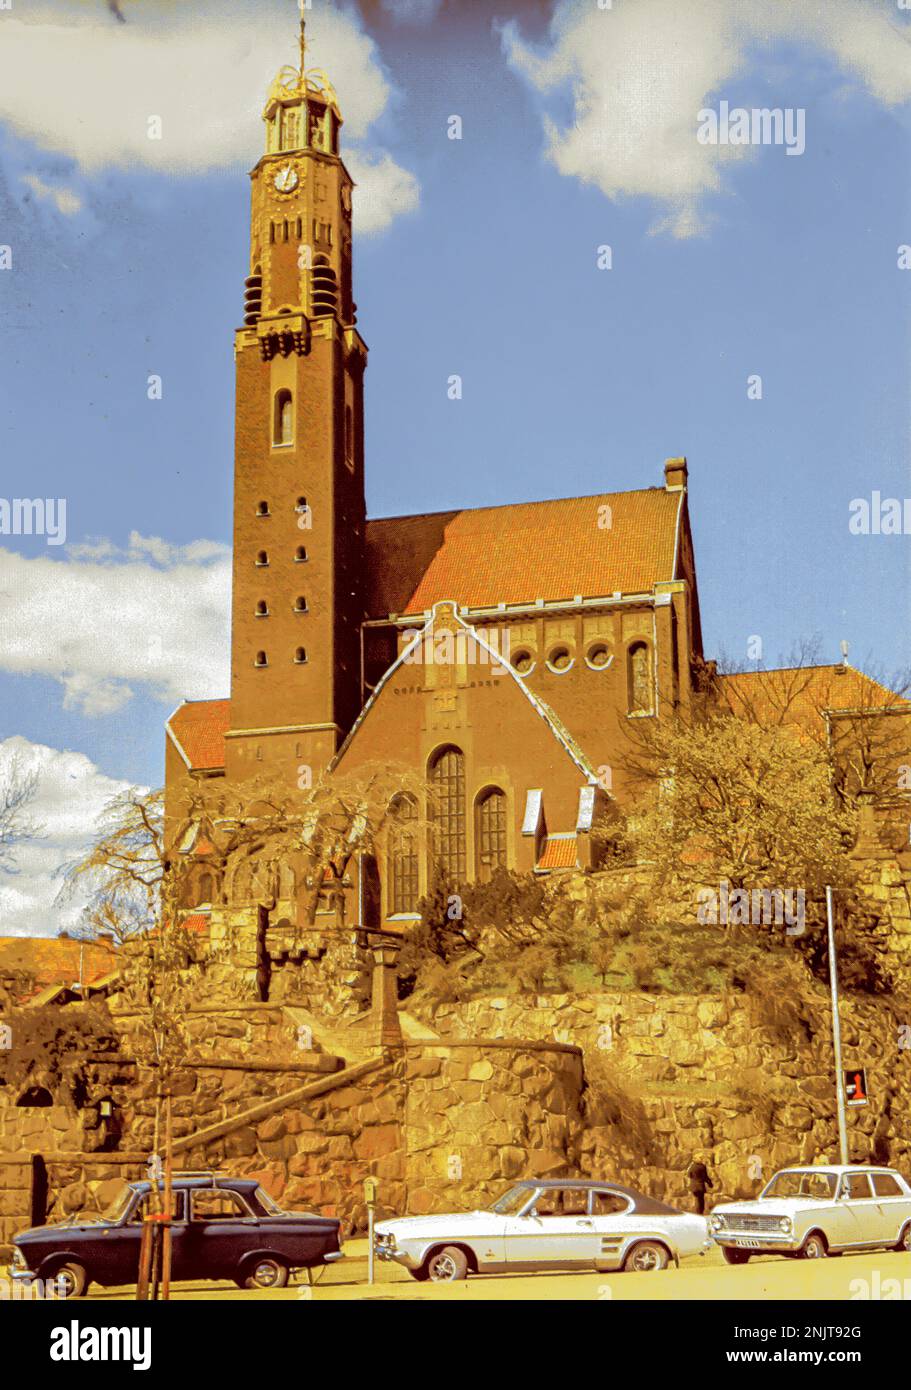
(545, 1225)
(812, 1212)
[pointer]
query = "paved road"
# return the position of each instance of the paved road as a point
(884, 1275)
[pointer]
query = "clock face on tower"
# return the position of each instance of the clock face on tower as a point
(286, 180)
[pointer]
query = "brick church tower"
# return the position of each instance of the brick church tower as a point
(299, 512)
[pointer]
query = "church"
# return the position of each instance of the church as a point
(497, 654)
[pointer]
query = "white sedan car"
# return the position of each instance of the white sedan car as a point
(545, 1225)
(812, 1212)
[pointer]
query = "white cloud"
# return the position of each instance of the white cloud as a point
(638, 74)
(80, 85)
(106, 623)
(72, 795)
(385, 191)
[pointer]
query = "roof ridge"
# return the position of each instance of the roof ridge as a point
(534, 502)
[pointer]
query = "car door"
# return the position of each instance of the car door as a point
(610, 1214)
(861, 1215)
(118, 1246)
(894, 1205)
(557, 1232)
(220, 1230)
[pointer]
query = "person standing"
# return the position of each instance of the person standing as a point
(699, 1181)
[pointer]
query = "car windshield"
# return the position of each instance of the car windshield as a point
(511, 1201)
(118, 1207)
(794, 1183)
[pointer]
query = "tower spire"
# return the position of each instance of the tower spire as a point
(303, 50)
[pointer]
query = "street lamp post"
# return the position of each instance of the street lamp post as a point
(836, 1032)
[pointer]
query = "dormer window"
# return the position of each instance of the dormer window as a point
(283, 424)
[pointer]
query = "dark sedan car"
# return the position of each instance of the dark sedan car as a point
(222, 1228)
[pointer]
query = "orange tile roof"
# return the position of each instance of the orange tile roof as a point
(196, 921)
(55, 959)
(799, 694)
(516, 554)
(198, 728)
(559, 852)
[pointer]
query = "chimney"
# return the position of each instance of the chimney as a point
(675, 475)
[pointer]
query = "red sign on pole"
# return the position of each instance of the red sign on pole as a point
(856, 1086)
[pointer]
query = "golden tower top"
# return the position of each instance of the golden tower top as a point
(302, 92)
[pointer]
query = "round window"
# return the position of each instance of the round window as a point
(523, 662)
(560, 659)
(599, 656)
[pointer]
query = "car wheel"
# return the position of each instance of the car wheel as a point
(733, 1256)
(904, 1240)
(646, 1255)
(814, 1247)
(71, 1279)
(266, 1273)
(446, 1265)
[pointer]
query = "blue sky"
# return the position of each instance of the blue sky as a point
(476, 257)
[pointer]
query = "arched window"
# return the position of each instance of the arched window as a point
(447, 803)
(490, 832)
(283, 429)
(205, 890)
(262, 609)
(261, 659)
(402, 863)
(262, 509)
(300, 554)
(262, 558)
(639, 679)
(300, 604)
(300, 656)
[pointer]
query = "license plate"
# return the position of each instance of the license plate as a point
(748, 1244)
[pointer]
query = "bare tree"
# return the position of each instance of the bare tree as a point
(18, 788)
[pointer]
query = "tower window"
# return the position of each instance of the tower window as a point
(261, 659)
(283, 424)
(300, 554)
(300, 656)
(262, 509)
(262, 558)
(262, 609)
(300, 604)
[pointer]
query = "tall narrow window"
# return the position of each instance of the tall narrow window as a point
(639, 679)
(300, 604)
(447, 802)
(490, 827)
(403, 888)
(261, 659)
(283, 431)
(349, 436)
(262, 609)
(300, 658)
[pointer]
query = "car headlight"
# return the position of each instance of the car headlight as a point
(784, 1224)
(386, 1241)
(716, 1223)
